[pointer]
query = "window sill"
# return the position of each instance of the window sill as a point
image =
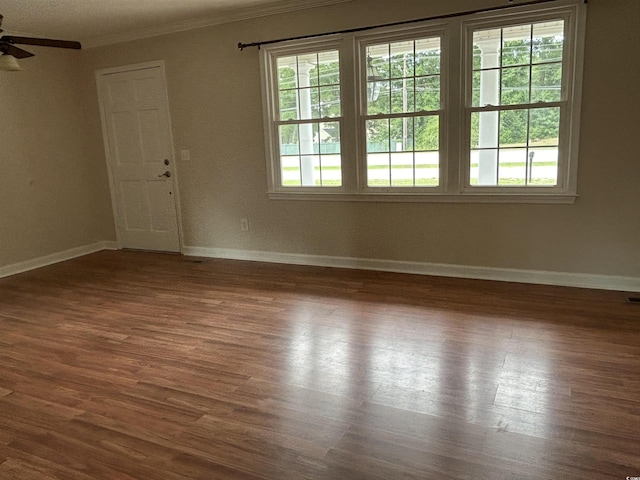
(546, 198)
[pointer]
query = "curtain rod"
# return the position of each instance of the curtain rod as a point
(511, 4)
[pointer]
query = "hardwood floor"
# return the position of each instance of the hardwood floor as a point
(130, 365)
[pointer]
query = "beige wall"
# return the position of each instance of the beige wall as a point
(53, 187)
(214, 94)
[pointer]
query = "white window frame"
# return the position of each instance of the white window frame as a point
(569, 104)
(456, 74)
(391, 36)
(269, 72)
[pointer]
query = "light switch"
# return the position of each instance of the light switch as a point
(185, 156)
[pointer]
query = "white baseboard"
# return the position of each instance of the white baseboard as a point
(39, 262)
(602, 282)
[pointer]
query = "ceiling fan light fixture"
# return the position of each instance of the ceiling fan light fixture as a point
(8, 63)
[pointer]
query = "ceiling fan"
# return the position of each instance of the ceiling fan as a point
(10, 52)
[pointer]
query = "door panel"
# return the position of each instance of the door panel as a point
(136, 114)
(133, 202)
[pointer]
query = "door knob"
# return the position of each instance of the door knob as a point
(166, 174)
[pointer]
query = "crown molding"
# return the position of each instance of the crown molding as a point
(284, 6)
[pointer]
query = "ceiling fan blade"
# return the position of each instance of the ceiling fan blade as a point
(42, 42)
(15, 51)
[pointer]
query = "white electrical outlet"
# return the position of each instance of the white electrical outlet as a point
(244, 225)
(185, 156)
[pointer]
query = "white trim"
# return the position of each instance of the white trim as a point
(429, 30)
(258, 11)
(573, 13)
(40, 262)
(425, 198)
(582, 280)
(602, 282)
(270, 105)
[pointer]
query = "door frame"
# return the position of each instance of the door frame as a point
(100, 75)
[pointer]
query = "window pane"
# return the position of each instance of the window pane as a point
(486, 62)
(329, 138)
(486, 48)
(477, 57)
(548, 41)
(543, 166)
(289, 140)
(515, 86)
(402, 169)
(329, 68)
(378, 59)
(545, 126)
(327, 165)
(331, 172)
(412, 145)
(522, 134)
(307, 67)
(378, 135)
(329, 101)
(398, 96)
(484, 129)
(378, 94)
(484, 167)
(309, 103)
(513, 128)
(378, 169)
(512, 166)
(288, 105)
(546, 82)
(309, 86)
(307, 133)
(516, 45)
(476, 84)
(427, 93)
(427, 133)
(409, 99)
(427, 59)
(399, 134)
(310, 154)
(519, 64)
(290, 171)
(287, 73)
(427, 169)
(401, 59)
(412, 68)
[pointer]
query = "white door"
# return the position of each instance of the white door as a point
(135, 115)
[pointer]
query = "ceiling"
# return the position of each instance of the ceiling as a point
(102, 22)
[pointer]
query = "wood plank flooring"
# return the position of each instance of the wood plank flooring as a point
(131, 365)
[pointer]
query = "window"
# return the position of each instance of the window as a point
(477, 108)
(402, 118)
(516, 105)
(308, 119)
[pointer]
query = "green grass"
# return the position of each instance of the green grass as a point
(425, 182)
(549, 182)
(325, 183)
(424, 165)
(422, 182)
